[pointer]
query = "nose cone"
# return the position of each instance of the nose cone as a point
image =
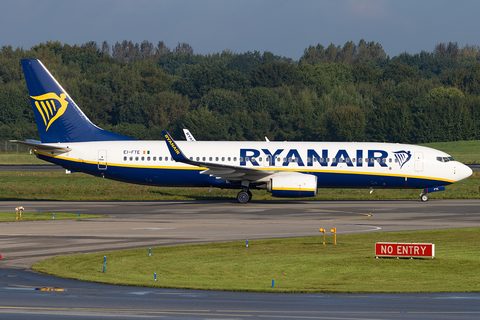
(462, 171)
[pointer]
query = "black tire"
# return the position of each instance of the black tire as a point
(243, 197)
(249, 195)
(424, 197)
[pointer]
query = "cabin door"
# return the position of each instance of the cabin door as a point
(418, 161)
(102, 159)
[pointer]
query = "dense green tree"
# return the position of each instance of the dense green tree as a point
(344, 123)
(273, 75)
(354, 92)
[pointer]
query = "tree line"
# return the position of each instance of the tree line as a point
(353, 92)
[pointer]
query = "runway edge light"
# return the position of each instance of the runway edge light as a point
(334, 231)
(323, 231)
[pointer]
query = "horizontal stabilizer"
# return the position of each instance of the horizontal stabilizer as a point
(42, 146)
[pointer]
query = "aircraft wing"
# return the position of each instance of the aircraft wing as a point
(37, 145)
(220, 171)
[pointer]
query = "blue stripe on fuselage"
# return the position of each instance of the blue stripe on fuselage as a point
(191, 177)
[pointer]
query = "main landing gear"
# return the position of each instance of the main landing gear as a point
(244, 196)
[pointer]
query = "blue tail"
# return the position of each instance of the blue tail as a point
(58, 118)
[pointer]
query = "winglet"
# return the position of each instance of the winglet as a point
(175, 151)
(188, 135)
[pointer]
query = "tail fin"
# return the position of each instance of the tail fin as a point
(58, 118)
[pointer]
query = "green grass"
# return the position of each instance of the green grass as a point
(56, 185)
(20, 158)
(35, 216)
(296, 264)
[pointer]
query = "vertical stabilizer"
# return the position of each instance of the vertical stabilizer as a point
(58, 118)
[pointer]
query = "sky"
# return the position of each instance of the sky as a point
(283, 27)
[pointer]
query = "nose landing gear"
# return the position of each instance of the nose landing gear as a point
(424, 197)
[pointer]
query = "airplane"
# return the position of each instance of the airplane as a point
(285, 169)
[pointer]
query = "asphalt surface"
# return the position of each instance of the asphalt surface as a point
(150, 224)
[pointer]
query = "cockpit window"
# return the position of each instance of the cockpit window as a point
(445, 159)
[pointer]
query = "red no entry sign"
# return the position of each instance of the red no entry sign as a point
(394, 249)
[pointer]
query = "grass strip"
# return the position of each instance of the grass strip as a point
(32, 216)
(55, 185)
(296, 264)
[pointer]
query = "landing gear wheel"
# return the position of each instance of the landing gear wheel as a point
(424, 197)
(244, 196)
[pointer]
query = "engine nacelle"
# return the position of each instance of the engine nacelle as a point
(292, 185)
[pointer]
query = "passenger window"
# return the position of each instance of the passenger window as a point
(124, 158)
(166, 158)
(390, 160)
(241, 159)
(154, 158)
(235, 159)
(216, 158)
(223, 158)
(191, 158)
(136, 158)
(210, 159)
(228, 158)
(131, 158)
(143, 158)
(259, 159)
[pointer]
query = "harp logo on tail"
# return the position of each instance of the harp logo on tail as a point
(402, 157)
(50, 106)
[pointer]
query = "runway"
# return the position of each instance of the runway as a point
(150, 224)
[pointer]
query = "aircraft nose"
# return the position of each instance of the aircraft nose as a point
(462, 171)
